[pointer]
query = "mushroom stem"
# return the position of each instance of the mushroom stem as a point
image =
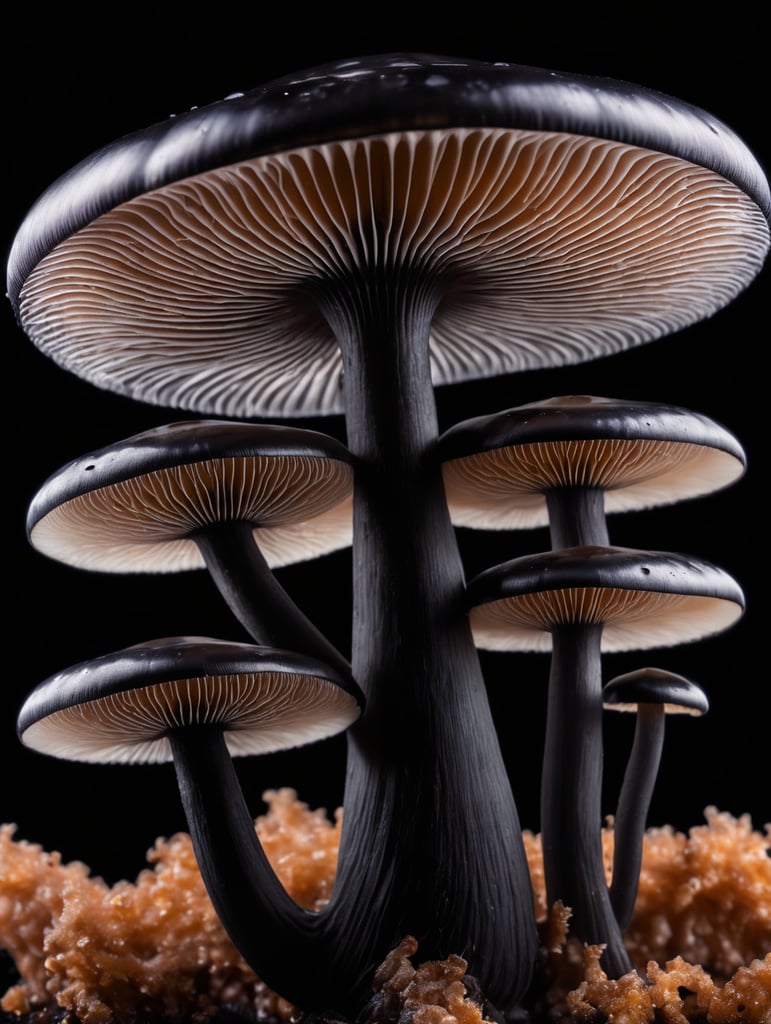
(571, 812)
(254, 595)
(576, 516)
(633, 803)
(277, 932)
(431, 835)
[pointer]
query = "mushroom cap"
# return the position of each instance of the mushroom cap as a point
(677, 694)
(566, 217)
(498, 468)
(642, 599)
(133, 506)
(120, 706)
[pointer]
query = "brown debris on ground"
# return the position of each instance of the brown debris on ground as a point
(434, 992)
(700, 937)
(678, 993)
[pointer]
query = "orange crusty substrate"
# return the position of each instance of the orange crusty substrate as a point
(700, 936)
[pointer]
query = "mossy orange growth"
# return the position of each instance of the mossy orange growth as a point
(154, 946)
(700, 936)
(707, 893)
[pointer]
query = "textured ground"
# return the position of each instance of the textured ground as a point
(153, 949)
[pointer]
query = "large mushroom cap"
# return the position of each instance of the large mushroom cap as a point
(134, 506)
(566, 218)
(498, 468)
(643, 599)
(120, 707)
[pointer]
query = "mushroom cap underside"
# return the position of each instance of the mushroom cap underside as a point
(564, 219)
(135, 506)
(498, 468)
(639, 599)
(119, 707)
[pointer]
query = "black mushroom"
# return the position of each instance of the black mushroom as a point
(578, 602)
(569, 461)
(341, 240)
(200, 702)
(236, 497)
(652, 693)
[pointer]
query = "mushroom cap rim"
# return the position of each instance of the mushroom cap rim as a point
(596, 566)
(568, 418)
(164, 660)
(373, 95)
(191, 441)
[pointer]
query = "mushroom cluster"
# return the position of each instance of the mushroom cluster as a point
(340, 242)
(568, 462)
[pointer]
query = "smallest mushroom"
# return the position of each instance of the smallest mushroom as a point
(652, 693)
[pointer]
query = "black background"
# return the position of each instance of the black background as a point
(74, 83)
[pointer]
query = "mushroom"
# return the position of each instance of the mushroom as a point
(578, 602)
(341, 240)
(569, 461)
(201, 492)
(652, 693)
(200, 702)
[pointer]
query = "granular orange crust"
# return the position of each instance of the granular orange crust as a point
(700, 936)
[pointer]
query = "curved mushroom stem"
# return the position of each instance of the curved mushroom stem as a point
(576, 516)
(254, 595)
(571, 811)
(633, 804)
(265, 924)
(431, 842)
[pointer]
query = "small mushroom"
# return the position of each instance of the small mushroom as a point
(200, 702)
(212, 493)
(652, 693)
(569, 461)
(578, 602)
